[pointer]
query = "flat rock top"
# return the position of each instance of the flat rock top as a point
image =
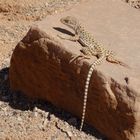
(113, 24)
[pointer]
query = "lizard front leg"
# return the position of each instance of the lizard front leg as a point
(71, 38)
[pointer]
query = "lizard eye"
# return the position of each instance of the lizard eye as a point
(67, 21)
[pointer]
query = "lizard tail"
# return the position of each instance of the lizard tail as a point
(93, 65)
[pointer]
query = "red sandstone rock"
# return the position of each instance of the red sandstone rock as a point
(40, 68)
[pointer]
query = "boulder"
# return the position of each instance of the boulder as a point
(41, 67)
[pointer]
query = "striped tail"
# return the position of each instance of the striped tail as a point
(97, 62)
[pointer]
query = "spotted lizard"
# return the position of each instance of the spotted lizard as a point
(90, 48)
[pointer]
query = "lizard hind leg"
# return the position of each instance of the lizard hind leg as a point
(85, 54)
(112, 59)
(77, 56)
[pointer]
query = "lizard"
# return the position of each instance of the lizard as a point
(90, 48)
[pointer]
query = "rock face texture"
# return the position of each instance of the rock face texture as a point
(41, 68)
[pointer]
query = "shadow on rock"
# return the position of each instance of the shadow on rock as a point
(64, 31)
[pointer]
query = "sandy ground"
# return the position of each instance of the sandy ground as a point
(21, 118)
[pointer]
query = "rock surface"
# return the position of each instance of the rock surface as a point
(40, 67)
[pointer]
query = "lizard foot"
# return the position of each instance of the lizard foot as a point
(77, 56)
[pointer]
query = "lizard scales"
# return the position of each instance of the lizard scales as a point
(90, 48)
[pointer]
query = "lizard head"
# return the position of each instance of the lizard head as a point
(70, 21)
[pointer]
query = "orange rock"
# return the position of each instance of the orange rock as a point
(40, 68)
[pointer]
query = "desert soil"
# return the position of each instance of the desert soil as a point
(21, 118)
